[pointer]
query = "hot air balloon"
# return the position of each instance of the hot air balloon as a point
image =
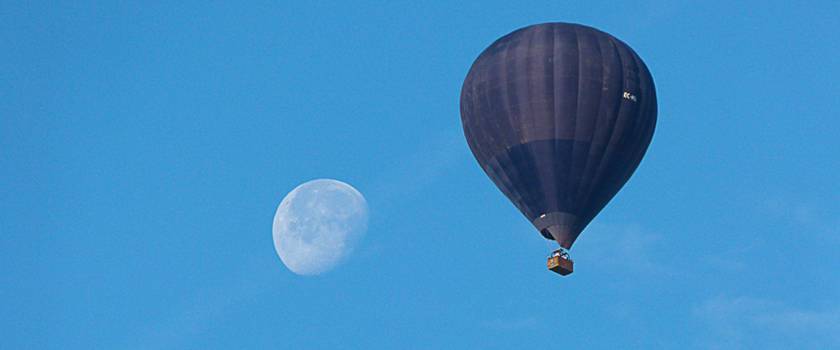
(559, 116)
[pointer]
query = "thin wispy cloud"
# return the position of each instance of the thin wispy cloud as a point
(747, 322)
(814, 220)
(628, 247)
(191, 317)
(409, 175)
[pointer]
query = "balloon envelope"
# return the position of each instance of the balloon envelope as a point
(559, 116)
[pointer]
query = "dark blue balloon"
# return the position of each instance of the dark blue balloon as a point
(559, 116)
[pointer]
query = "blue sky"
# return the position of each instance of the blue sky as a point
(145, 147)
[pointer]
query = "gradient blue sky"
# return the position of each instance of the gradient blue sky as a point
(144, 148)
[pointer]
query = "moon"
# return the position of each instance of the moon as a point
(318, 224)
